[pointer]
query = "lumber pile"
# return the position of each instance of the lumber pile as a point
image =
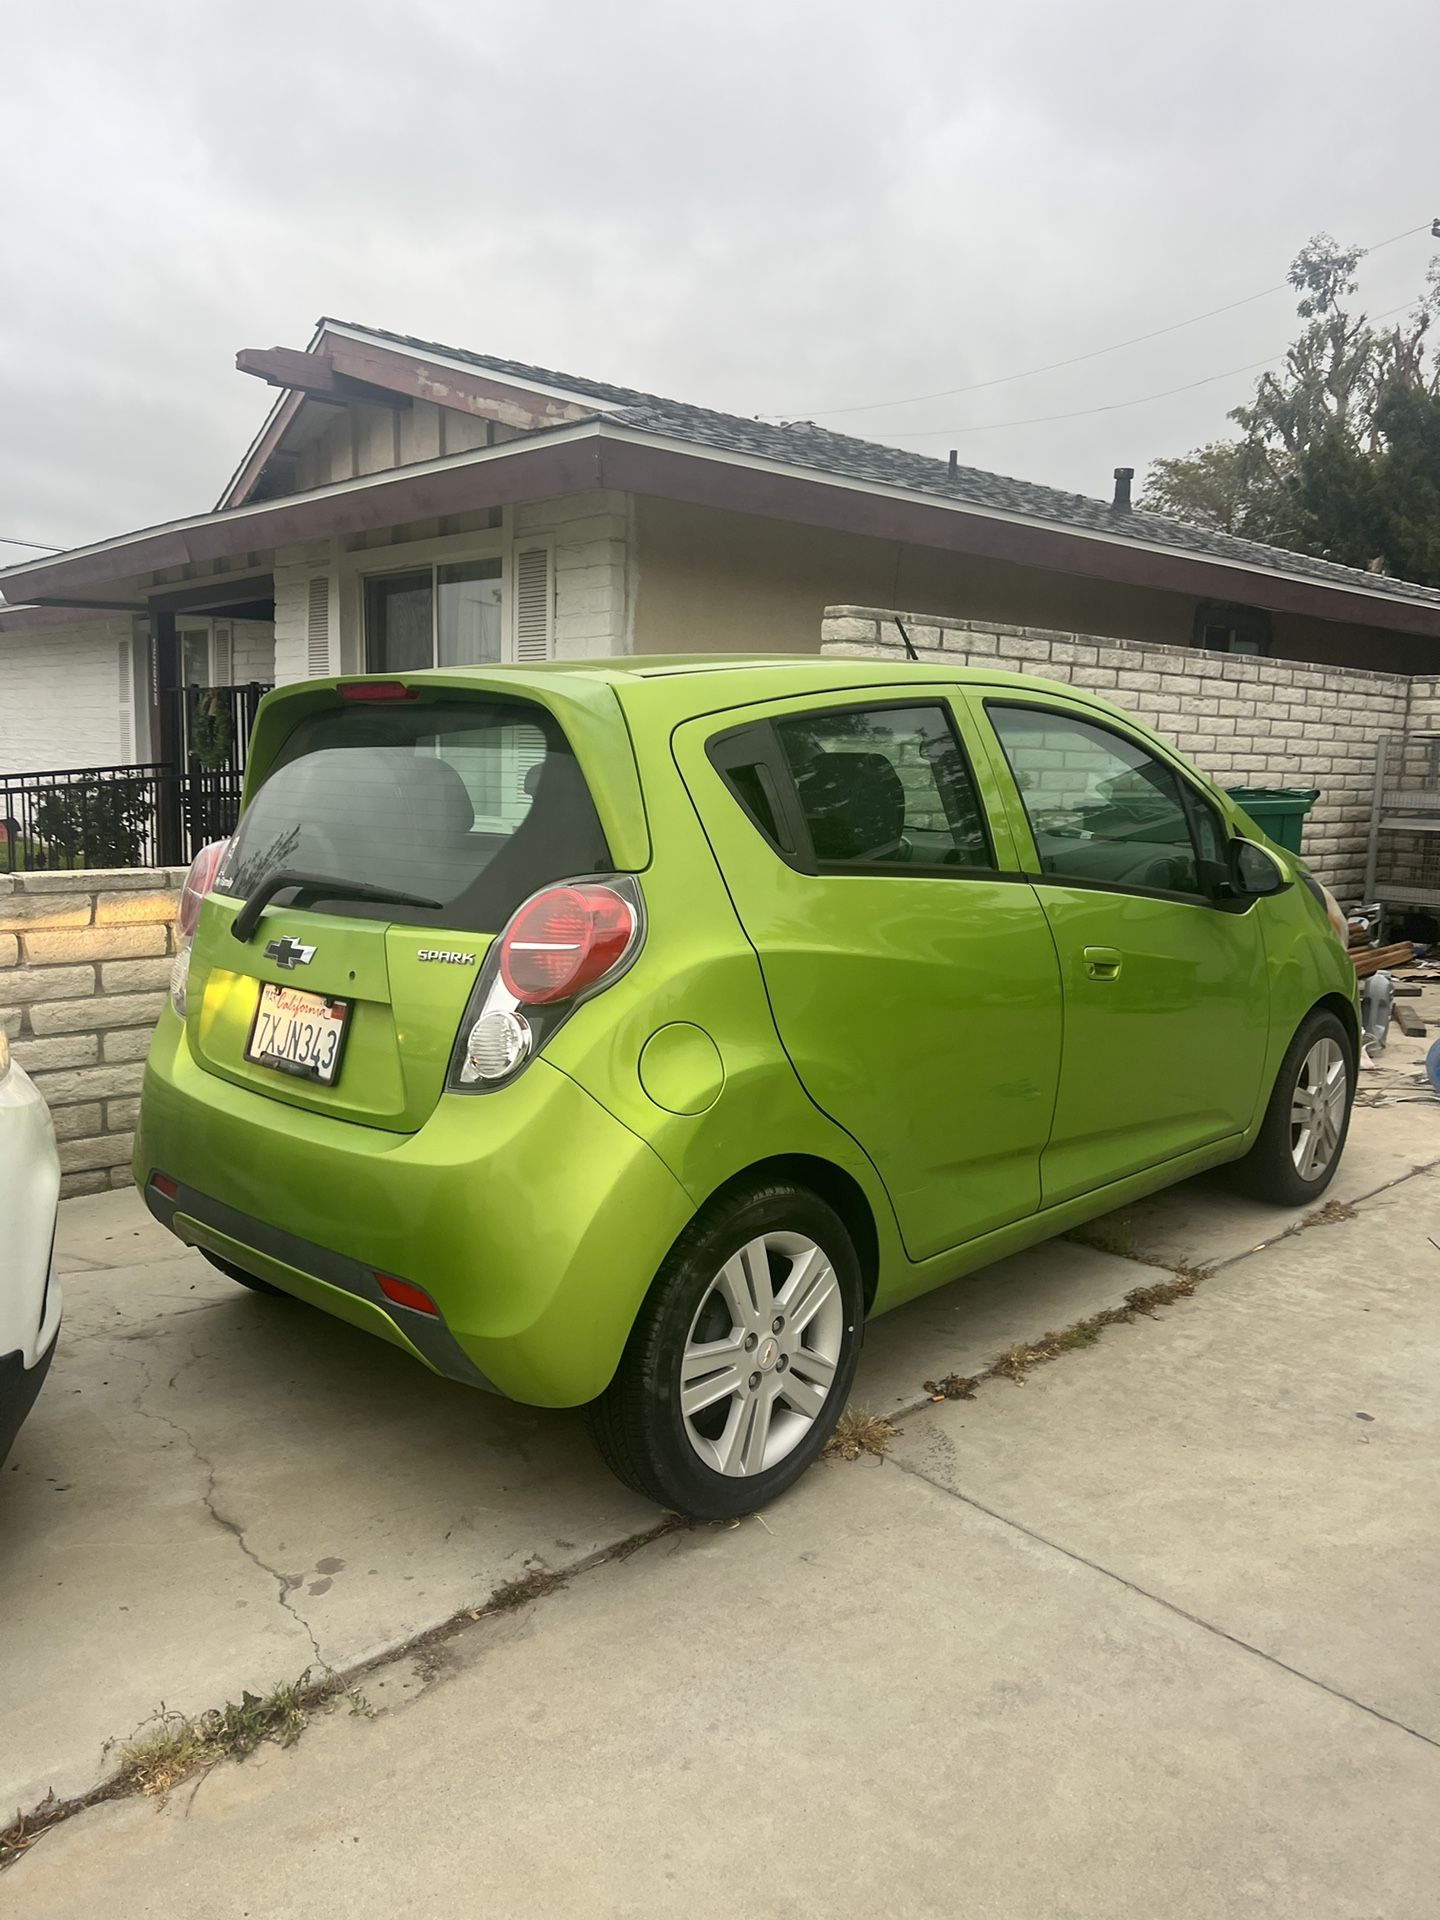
(1368, 960)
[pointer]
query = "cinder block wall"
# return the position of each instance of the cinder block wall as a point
(84, 970)
(1245, 721)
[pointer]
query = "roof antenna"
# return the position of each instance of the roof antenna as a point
(905, 637)
(954, 463)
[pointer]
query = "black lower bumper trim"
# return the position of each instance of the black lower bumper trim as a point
(19, 1385)
(425, 1331)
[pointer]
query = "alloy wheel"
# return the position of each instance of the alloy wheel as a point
(1317, 1108)
(761, 1355)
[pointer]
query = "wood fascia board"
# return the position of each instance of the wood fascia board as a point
(498, 476)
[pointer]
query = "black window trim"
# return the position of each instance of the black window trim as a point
(1190, 798)
(799, 855)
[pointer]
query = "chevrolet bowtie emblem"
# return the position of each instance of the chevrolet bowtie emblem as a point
(289, 953)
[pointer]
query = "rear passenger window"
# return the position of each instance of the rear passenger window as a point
(885, 787)
(1101, 807)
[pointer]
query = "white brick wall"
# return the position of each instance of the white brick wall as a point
(1245, 721)
(252, 652)
(294, 569)
(60, 697)
(84, 969)
(592, 617)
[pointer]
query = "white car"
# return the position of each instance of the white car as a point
(29, 1291)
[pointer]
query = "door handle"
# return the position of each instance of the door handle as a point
(1102, 963)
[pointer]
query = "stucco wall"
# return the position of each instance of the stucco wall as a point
(60, 697)
(724, 582)
(1244, 721)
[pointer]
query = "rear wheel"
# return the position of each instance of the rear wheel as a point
(741, 1358)
(238, 1273)
(1302, 1136)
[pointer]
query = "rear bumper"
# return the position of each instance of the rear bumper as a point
(532, 1218)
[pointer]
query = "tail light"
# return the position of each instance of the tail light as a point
(564, 945)
(198, 882)
(563, 941)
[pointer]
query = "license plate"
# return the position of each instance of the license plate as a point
(299, 1033)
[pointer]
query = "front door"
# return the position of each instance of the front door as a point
(915, 991)
(1166, 997)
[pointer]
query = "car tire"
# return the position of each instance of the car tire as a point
(251, 1280)
(1291, 1162)
(715, 1408)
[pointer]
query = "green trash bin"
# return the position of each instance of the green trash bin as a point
(1278, 811)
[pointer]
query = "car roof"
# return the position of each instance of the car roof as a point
(696, 683)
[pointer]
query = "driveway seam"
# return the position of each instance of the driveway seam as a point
(1159, 1600)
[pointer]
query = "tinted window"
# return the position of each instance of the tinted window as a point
(885, 786)
(1101, 808)
(474, 804)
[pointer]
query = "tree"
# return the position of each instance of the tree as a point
(1339, 451)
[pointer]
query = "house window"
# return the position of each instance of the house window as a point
(436, 616)
(1226, 629)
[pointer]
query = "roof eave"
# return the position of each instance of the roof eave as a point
(610, 453)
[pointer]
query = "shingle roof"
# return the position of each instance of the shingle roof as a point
(818, 449)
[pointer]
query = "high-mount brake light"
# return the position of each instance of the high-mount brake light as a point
(564, 941)
(377, 690)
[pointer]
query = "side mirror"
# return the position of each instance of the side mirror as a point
(1253, 871)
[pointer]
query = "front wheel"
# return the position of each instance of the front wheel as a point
(741, 1358)
(1302, 1136)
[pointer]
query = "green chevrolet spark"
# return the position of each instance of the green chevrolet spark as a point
(625, 1034)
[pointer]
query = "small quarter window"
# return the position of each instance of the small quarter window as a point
(885, 787)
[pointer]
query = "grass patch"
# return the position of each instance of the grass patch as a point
(1019, 1361)
(858, 1432)
(181, 1746)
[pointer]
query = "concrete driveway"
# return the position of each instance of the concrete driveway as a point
(1153, 1633)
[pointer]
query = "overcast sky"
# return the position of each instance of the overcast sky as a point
(786, 207)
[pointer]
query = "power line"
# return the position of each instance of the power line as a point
(40, 546)
(1052, 366)
(1116, 406)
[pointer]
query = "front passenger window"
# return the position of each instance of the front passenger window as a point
(1101, 808)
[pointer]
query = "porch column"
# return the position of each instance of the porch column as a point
(164, 734)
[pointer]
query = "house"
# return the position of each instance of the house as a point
(407, 503)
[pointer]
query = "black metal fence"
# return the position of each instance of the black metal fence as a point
(149, 815)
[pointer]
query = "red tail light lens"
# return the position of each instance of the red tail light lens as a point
(376, 690)
(404, 1295)
(563, 941)
(198, 882)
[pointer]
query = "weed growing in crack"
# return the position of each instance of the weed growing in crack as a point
(858, 1432)
(1021, 1360)
(181, 1745)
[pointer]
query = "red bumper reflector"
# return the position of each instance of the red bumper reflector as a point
(162, 1183)
(376, 690)
(404, 1295)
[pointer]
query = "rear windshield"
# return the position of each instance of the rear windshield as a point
(472, 804)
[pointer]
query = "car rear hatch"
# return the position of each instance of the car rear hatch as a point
(392, 829)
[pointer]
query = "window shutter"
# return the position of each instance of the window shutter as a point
(534, 604)
(127, 701)
(317, 628)
(222, 654)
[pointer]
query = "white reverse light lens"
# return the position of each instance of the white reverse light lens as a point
(179, 979)
(498, 1043)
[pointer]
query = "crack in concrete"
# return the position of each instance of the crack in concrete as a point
(224, 1520)
(1159, 1600)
